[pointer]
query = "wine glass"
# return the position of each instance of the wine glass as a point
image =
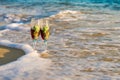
(44, 31)
(35, 32)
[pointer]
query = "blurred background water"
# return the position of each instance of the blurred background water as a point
(44, 8)
(51, 6)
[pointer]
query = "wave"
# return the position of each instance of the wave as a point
(111, 4)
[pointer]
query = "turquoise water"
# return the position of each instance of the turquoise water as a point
(54, 5)
(79, 1)
(45, 8)
(48, 7)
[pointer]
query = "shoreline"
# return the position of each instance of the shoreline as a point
(8, 54)
(73, 43)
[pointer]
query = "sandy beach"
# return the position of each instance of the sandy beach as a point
(8, 54)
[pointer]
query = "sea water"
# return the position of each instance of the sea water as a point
(85, 38)
(44, 8)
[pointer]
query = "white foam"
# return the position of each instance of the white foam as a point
(3, 31)
(68, 11)
(16, 26)
(66, 15)
(25, 67)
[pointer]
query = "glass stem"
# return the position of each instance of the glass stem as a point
(34, 44)
(45, 42)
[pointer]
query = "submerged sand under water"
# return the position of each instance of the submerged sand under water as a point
(8, 54)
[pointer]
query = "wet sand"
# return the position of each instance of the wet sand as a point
(8, 54)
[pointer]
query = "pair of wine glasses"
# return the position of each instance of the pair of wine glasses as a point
(40, 29)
